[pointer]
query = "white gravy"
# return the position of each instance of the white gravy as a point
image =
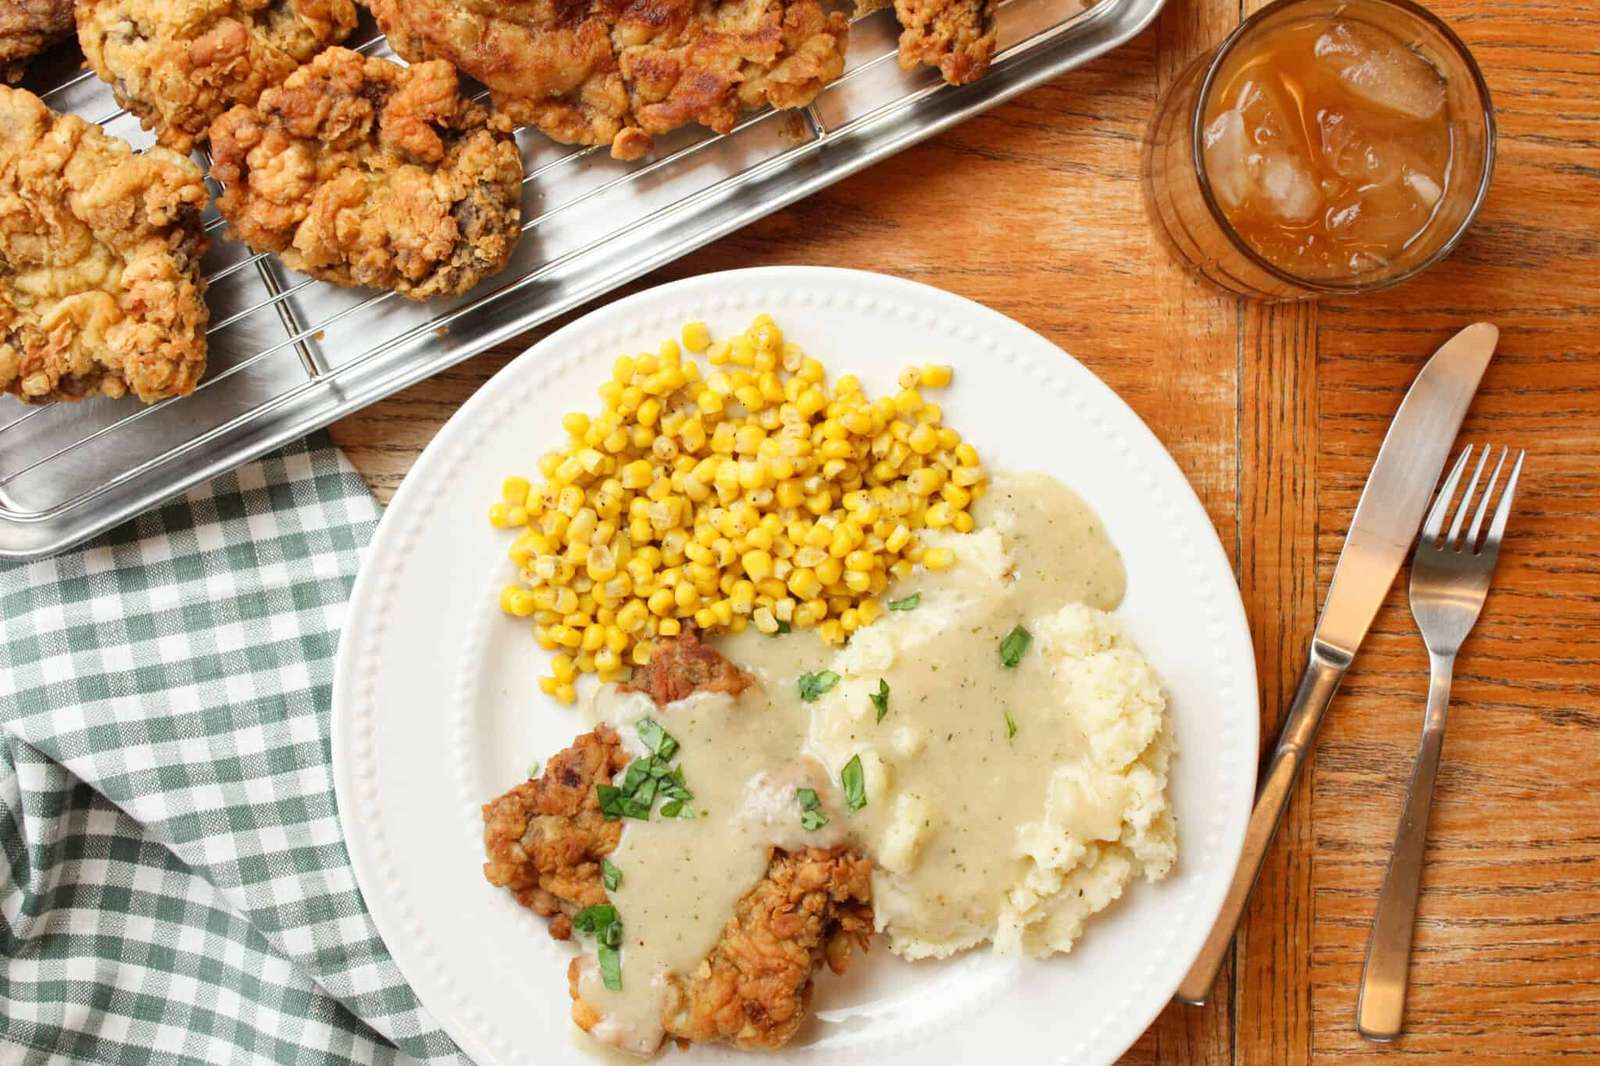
(943, 744)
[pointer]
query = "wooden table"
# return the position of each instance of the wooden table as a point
(1275, 413)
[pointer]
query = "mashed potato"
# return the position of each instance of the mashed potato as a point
(1008, 796)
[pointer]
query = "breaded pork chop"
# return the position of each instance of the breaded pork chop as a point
(178, 64)
(955, 36)
(100, 285)
(681, 666)
(546, 837)
(813, 907)
(28, 27)
(618, 72)
(361, 171)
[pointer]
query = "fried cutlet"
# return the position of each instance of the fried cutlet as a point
(618, 72)
(813, 907)
(545, 840)
(361, 171)
(28, 27)
(100, 284)
(681, 666)
(956, 36)
(178, 64)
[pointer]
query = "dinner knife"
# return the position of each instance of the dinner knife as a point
(1381, 533)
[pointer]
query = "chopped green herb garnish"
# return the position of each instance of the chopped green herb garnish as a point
(533, 769)
(1014, 645)
(610, 967)
(677, 809)
(880, 698)
(655, 738)
(610, 875)
(814, 685)
(811, 816)
(1011, 726)
(854, 780)
(602, 922)
(783, 627)
(594, 918)
(647, 780)
(614, 804)
(907, 604)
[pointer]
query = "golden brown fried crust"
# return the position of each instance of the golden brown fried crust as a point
(754, 989)
(100, 286)
(363, 172)
(28, 27)
(178, 64)
(618, 72)
(681, 666)
(956, 36)
(546, 837)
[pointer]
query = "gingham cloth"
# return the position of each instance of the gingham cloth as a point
(175, 885)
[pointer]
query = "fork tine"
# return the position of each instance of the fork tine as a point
(1471, 543)
(1441, 504)
(1453, 541)
(1497, 527)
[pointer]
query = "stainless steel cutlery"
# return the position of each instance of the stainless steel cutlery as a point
(1450, 575)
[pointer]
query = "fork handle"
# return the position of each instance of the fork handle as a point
(1381, 1010)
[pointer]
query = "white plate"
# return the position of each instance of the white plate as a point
(435, 706)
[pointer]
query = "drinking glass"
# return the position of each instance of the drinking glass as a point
(1185, 209)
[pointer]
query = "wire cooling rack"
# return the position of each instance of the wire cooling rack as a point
(289, 354)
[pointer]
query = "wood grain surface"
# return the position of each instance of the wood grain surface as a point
(1275, 413)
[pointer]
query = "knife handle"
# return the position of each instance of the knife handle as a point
(1320, 681)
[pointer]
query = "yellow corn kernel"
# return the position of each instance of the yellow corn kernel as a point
(938, 558)
(514, 490)
(936, 375)
(696, 337)
(963, 523)
(661, 602)
(757, 564)
(923, 439)
(831, 631)
(830, 570)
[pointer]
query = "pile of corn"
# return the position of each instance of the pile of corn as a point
(750, 494)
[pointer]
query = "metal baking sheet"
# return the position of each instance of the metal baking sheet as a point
(289, 354)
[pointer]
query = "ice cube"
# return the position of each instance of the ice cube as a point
(1268, 116)
(1227, 151)
(1375, 66)
(1426, 188)
(1348, 149)
(1290, 190)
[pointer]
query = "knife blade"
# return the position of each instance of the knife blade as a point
(1382, 530)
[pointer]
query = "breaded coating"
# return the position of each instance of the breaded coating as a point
(681, 666)
(100, 285)
(546, 837)
(363, 172)
(618, 72)
(178, 64)
(28, 27)
(956, 36)
(754, 990)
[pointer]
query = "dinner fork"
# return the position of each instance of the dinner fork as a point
(1449, 580)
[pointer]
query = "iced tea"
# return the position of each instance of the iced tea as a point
(1330, 145)
(1327, 146)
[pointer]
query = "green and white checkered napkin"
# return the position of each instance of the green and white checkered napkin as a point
(176, 888)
